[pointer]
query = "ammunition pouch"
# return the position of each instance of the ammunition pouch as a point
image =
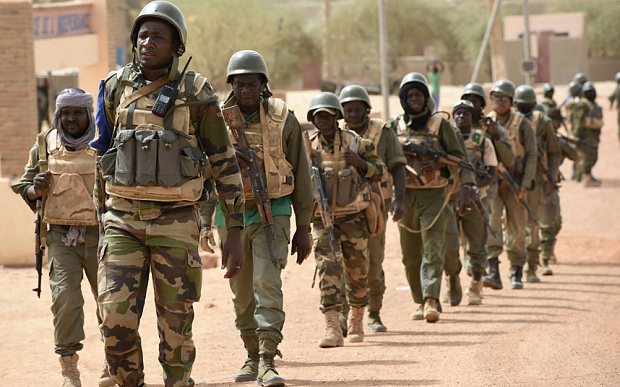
(349, 186)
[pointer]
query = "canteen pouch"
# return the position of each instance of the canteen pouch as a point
(168, 159)
(146, 158)
(125, 171)
(347, 191)
(107, 163)
(328, 183)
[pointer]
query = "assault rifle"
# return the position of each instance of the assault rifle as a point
(39, 249)
(542, 165)
(234, 120)
(579, 143)
(327, 216)
(425, 153)
(514, 187)
(483, 212)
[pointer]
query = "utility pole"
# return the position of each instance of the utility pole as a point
(325, 71)
(526, 39)
(383, 53)
(498, 63)
(485, 40)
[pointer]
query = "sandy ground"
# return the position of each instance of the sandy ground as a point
(561, 332)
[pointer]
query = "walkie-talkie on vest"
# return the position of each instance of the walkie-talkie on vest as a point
(168, 94)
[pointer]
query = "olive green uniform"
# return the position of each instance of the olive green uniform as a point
(615, 97)
(423, 251)
(257, 290)
(549, 150)
(67, 266)
(585, 110)
(523, 173)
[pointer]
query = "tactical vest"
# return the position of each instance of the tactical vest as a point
(593, 119)
(353, 193)
(475, 144)
(428, 138)
(373, 133)
(280, 179)
(72, 178)
(569, 107)
(154, 158)
(512, 131)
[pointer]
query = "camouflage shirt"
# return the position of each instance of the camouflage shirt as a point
(211, 132)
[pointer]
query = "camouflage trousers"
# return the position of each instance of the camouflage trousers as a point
(535, 198)
(352, 233)
(167, 246)
(472, 226)
(551, 221)
(515, 227)
(67, 266)
(257, 290)
(423, 252)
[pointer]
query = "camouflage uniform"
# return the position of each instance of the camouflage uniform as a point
(67, 264)
(390, 151)
(352, 232)
(584, 110)
(143, 235)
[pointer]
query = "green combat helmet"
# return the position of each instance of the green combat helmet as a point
(355, 93)
(588, 86)
(165, 11)
(540, 107)
(548, 87)
(525, 94)
(574, 88)
(475, 89)
(580, 78)
(246, 62)
(504, 87)
(325, 100)
(414, 78)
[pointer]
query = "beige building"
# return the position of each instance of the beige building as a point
(35, 38)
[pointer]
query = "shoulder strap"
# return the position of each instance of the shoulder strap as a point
(144, 91)
(336, 169)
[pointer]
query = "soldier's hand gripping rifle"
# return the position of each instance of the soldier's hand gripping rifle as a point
(39, 249)
(480, 207)
(327, 217)
(425, 153)
(234, 120)
(579, 143)
(514, 187)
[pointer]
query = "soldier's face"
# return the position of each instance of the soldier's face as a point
(549, 94)
(556, 124)
(324, 121)
(501, 104)
(415, 100)
(462, 119)
(74, 120)
(525, 107)
(354, 111)
(157, 44)
(476, 100)
(246, 88)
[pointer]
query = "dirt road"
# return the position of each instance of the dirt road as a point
(564, 331)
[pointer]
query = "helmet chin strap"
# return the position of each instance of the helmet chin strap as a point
(171, 71)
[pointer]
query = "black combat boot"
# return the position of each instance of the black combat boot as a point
(515, 277)
(493, 280)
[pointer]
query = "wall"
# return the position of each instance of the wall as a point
(568, 56)
(573, 24)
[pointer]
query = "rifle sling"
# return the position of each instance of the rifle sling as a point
(266, 155)
(42, 145)
(445, 202)
(336, 169)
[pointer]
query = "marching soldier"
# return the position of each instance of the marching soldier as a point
(615, 96)
(587, 124)
(356, 105)
(346, 160)
(545, 180)
(273, 132)
(482, 155)
(428, 192)
(61, 173)
(152, 180)
(548, 102)
(475, 93)
(523, 140)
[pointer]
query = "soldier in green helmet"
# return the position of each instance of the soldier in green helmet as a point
(428, 191)
(346, 160)
(482, 155)
(580, 78)
(257, 290)
(615, 97)
(151, 177)
(548, 102)
(549, 157)
(356, 105)
(587, 125)
(523, 140)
